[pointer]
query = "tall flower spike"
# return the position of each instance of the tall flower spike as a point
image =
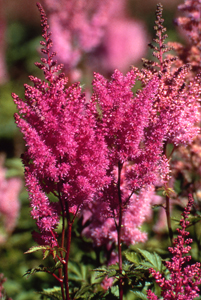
(184, 278)
(123, 119)
(176, 107)
(64, 154)
(159, 47)
(121, 116)
(77, 27)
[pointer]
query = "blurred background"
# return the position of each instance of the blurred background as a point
(122, 42)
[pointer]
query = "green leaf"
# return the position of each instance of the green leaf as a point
(115, 291)
(112, 273)
(101, 272)
(30, 272)
(58, 265)
(194, 219)
(36, 248)
(132, 257)
(46, 253)
(54, 293)
(84, 291)
(140, 295)
(54, 254)
(154, 260)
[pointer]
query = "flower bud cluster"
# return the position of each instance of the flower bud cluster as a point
(184, 278)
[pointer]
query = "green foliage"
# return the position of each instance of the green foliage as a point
(140, 262)
(152, 260)
(139, 295)
(14, 167)
(42, 268)
(53, 293)
(47, 250)
(137, 271)
(109, 271)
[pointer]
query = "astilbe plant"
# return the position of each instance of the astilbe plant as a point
(186, 161)
(177, 102)
(184, 278)
(65, 158)
(95, 155)
(176, 108)
(134, 158)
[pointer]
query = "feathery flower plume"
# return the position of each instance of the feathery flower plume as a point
(65, 157)
(135, 158)
(184, 278)
(176, 107)
(77, 27)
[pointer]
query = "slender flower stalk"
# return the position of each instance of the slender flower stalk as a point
(184, 278)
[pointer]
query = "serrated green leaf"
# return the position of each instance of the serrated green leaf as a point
(54, 293)
(82, 291)
(95, 296)
(147, 255)
(101, 275)
(140, 295)
(132, 257)
(154, 260)
(33, 271)
(36, 248)
(112, 273)
(100, 272)
(145, 265)
(46, 253)
(115, 291)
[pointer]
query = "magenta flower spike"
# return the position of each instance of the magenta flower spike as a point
(64, 155)
(77, 27)
(184, 278)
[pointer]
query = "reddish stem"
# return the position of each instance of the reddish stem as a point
(69, 231)
(119, 232)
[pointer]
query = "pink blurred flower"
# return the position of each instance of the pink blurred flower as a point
(9, 201)
(107, 283)
(102, 229)
(124, 43)
(77, 27)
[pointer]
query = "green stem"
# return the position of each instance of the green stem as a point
(167, 209)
